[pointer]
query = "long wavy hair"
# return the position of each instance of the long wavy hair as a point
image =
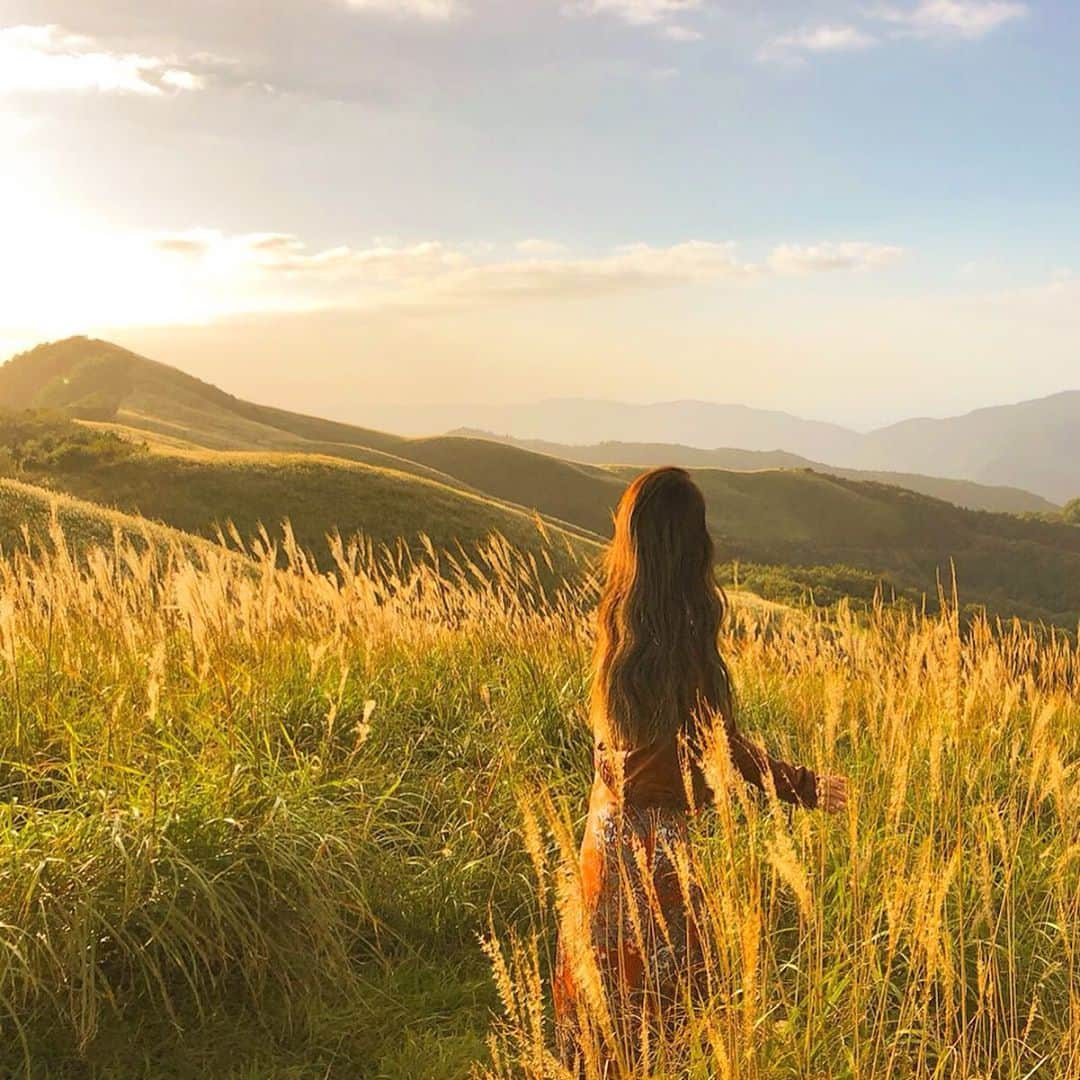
(657, 668)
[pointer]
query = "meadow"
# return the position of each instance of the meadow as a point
(262, 819)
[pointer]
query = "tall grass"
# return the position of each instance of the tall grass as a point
(257, 820)
(932, 932)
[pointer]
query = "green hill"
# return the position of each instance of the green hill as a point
(965, 493)
(1015, 566)
(202, 491)
(97, 380)
(27, 514)
(564, 490)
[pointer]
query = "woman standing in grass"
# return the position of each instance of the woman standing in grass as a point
(659, 685)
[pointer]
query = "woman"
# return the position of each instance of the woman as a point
(658, 681)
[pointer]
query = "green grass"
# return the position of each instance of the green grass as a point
(255, 823)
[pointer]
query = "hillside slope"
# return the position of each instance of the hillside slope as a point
(203, 491)
(1033, 445)
(563, 490)
(302, 458)
(97, 380)
(696, 423)
(965, 493)
(27, 513)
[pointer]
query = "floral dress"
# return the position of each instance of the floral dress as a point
(637, 912)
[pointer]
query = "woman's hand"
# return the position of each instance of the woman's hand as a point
(832, 793)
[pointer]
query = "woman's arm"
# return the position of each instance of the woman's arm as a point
(794, 783)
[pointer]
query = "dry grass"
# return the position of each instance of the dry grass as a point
(238, 796)
(932, 932)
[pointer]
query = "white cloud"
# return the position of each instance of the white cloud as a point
(681, 34)
(969, 19)
(435, 10)
(817, 258)
(541, 268)
(629, 268)
(286, 256)
(48, 59)
(818, 39)
(545, 269)
(635, 12)
(955, 18)
(178, 79)
(201, 275)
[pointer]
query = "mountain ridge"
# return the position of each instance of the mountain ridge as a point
(1033, 445)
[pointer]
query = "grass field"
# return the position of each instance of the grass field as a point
(265, 822)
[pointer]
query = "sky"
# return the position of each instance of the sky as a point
(854, 211)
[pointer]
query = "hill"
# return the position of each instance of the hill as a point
(973, 496)
(696, 423)
(1014, 566)
(28, 514)
(563, 490)
(97, 380)
(202, 491)
(325, 475)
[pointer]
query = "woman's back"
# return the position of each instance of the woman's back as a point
(630, 947)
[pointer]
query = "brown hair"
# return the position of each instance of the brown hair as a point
(657, 666)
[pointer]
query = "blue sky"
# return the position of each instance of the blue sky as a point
(850, 210)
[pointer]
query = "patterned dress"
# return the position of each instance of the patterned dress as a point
(637, 913)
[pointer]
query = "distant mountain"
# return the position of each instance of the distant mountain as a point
(1005, 500)
(1034, 445)
(690, 423)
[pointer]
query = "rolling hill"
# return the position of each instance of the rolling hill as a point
(213, 458)
(27, 514)
(581, 420)
(202, 492)
(965, 493)
(217, 458)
